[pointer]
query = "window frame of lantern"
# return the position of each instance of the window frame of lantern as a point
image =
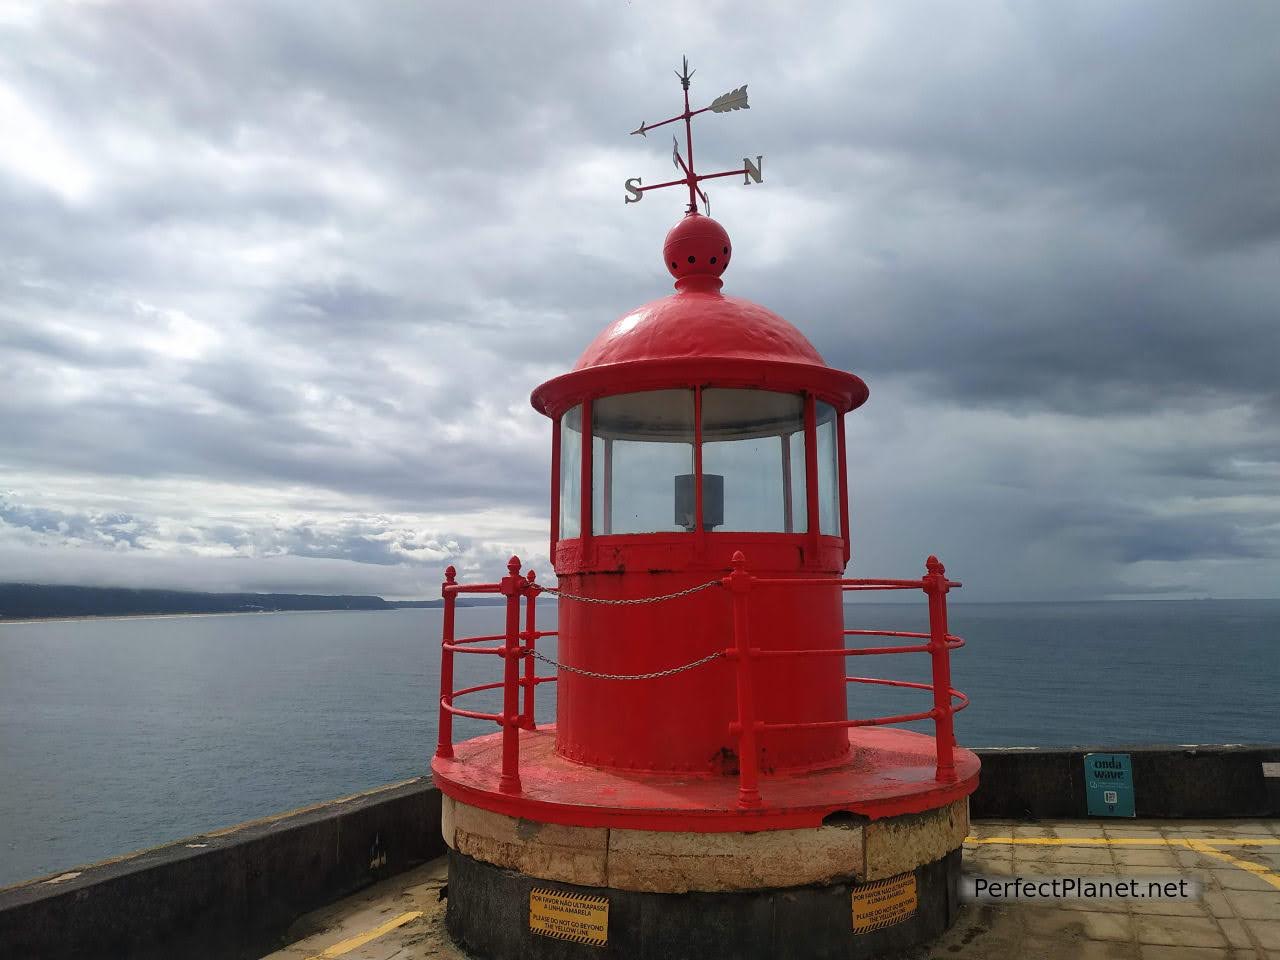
(748, 436)
(587, 520)
(644, 438)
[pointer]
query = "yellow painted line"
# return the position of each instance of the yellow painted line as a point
(1071, 841)
(1129, 841)
(360, 939)
(1255, 868)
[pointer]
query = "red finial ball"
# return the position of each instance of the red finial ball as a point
(698, 247)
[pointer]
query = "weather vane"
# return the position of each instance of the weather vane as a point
(733, 100)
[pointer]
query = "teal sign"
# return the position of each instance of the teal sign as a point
(1108, 784)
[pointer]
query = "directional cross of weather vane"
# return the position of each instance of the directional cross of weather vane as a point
(733, 100)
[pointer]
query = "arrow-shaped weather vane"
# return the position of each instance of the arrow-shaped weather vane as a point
(733, 100)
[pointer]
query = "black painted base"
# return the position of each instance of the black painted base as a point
(488, 916)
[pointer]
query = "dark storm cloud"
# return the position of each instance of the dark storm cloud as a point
(1099, 337)
(1224, 463)
(1128, 534)
(1151, 106)
(323, 252)
(1072, 210)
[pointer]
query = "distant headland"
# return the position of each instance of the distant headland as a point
(35, 601)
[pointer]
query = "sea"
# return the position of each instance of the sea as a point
(120, 734)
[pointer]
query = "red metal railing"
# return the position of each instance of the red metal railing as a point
(514, 715)
(518, 644)
(947, 701)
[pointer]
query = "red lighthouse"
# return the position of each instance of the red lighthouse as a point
(704, 788)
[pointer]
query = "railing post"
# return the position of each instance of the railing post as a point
(531, 644)
(748, 761)
(935, 585)
(512, 587)
(444, 744)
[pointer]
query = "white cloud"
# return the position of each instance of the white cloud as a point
(35, 153)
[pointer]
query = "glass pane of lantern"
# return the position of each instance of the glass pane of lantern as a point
(797, 521)
(641, 442)
(754, 439)
(828, 470)
(571, 473)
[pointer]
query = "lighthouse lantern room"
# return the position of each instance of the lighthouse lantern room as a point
(703, 790)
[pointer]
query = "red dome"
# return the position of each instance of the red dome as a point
(698, 336)
(699, 323)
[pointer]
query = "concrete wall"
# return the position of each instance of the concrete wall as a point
(228, 894)
(233, 893)
(1200, 782)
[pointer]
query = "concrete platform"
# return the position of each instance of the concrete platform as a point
(1238, 918)
(402, 917)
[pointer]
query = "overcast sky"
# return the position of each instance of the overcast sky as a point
(276, 279)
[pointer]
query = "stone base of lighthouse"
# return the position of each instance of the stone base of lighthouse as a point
(850, 888)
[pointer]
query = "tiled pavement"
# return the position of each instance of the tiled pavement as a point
(1238, 917)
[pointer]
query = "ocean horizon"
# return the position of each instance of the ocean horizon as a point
(121, 733)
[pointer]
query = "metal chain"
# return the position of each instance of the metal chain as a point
(626, 676)
(555, 592)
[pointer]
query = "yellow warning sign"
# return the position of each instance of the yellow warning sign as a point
(569, 916)
(883, 903)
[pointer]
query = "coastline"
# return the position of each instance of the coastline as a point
(178, 616)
